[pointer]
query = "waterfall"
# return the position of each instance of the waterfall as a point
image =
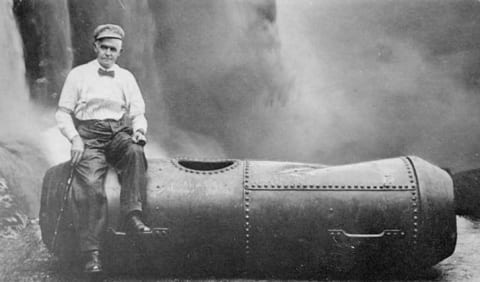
(21, 162)
(312, 81)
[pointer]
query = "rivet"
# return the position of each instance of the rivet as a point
(415, 217)
(414, 236)
(246, 216)
(415, 230)
(415, 223)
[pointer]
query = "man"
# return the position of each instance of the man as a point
(98, 103)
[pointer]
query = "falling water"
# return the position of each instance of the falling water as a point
(315, 81)
(21, 163)
(318, 81)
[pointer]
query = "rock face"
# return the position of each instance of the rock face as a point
(12, 218)
(467, 193)
(21, 170)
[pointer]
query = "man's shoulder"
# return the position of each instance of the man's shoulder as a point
(124, 72)
(82, 68)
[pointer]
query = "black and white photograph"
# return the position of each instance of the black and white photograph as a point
(239, 140)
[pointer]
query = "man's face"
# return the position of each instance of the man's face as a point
(108, 50)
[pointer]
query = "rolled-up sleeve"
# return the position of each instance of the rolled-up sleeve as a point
(137, 106)
(66, 106)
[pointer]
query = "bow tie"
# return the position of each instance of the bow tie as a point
(103, 72)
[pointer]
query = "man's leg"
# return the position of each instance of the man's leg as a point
(129, 159)
(90, 203)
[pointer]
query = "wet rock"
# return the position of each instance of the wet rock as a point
(12, 218)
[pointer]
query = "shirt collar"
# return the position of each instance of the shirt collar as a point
(97, 65)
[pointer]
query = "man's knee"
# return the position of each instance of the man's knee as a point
(135, 150)
(92, 180)
(93, 187)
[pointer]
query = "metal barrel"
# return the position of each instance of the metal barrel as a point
(232, 218)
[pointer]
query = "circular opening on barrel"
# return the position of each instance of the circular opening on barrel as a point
(205, 166)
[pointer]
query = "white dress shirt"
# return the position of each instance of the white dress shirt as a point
(88, 95)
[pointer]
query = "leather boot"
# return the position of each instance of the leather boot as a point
(94, 264)
(136, 225)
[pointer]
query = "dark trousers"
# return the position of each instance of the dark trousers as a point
(106, 142)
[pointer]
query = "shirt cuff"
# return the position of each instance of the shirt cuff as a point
(65, 124)
(139, 122)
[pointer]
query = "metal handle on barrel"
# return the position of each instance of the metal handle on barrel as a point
(384, 233)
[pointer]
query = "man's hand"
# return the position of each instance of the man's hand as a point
(77, 150)
(139, 138)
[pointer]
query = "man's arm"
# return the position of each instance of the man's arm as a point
(64, 119)
(63, 116)
(137, 112)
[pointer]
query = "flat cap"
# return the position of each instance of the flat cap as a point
(108, 31)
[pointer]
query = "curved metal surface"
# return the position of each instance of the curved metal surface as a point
(229, 218)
